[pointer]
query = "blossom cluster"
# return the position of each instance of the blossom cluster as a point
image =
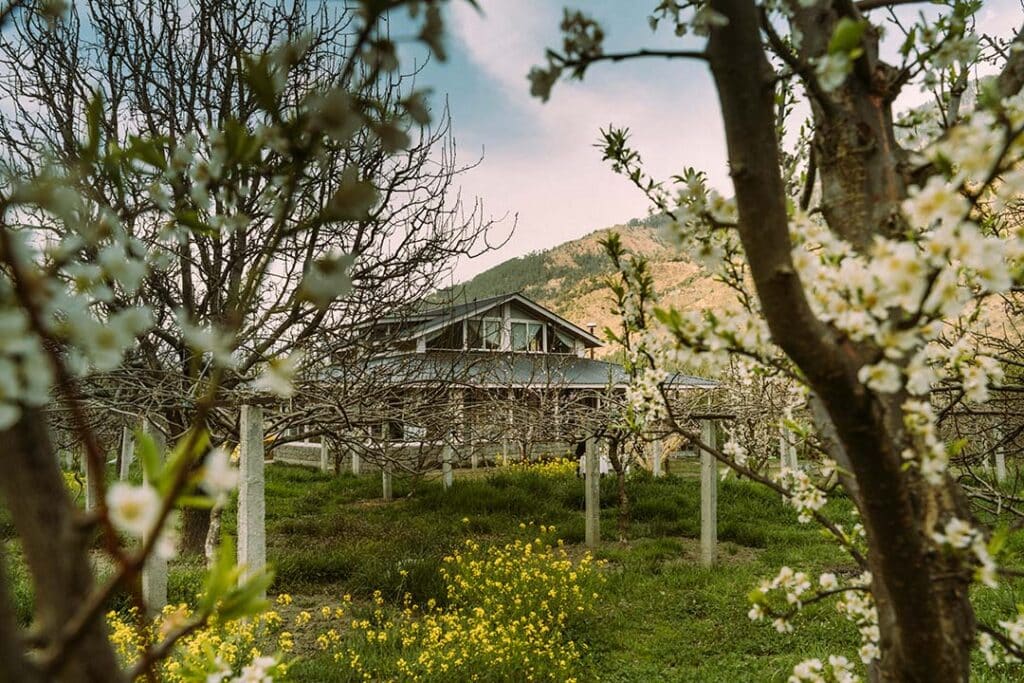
(858, 606)
(958, 536)
(804, 495)
(787, 588)
(837, 669)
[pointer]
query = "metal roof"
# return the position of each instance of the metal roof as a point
(490, 369)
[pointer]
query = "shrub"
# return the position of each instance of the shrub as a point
(216, 652)
(515, 612)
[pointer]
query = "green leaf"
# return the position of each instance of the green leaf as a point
(248, 599)
(188, 449)
(191, 220)
(846, 36)
(353, 199)
(196, 502)
(148, 150)
(261, 82)
(999, 538)
(93, 118)
(149, 455)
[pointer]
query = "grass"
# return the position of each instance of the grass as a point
(660, 615)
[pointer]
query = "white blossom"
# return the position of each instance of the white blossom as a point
(133, 509)
(219, 475)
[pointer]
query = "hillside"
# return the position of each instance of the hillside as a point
(569, 279)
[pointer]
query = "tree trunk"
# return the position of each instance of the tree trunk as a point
(55, 546)
(925, 616)
(195, 527)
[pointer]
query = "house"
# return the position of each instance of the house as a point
(490, 376)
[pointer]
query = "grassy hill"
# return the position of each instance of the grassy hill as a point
(570, 278)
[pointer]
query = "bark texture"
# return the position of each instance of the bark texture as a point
(55, 546)
(925, 615)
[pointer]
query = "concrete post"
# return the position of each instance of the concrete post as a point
(787, 449)
(783, 448)
(474, 457)
(656, 455)
(592, 495)
(252, 531)
(355, 461)
(447, 475)
(154, 571)
(325, 460)
(386, 482)
(1000, 457)
(127, 452)
(708, 498)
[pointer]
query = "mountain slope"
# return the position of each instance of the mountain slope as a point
(570, 278)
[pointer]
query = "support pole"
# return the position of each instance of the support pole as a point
(447, 475)
(1000, 457)
(656, 455)
(355, 461)
(325, 456)
(252, 531)
(708, 498)
(592, 495)
(385, 478)
(127, 452)
(474, 457)
(787, 449)
(154, 571)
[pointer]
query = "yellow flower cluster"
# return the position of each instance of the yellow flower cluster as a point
(219, 648)
(74, 483)
(556, 467)
(513, 614)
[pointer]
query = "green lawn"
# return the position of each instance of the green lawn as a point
(660, 616)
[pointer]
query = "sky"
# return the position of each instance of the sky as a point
(539, 170)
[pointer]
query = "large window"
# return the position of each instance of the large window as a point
(527, 336)
(559, 342)
(483, 334)
(448, 338)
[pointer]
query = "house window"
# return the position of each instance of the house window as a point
(448, 338)
(527, 336)
(558, 342)
(483, 334)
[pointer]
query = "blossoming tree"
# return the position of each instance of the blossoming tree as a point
(169, 71)
(865, 242)
(73, 265)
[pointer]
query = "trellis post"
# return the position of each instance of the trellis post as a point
(252, 532)
(656, 456)
(127, 452)
(1000, 457)
(325, 455)
(708, 497)
(154, 570)
(385, 478)
(447, 475)
(592, 495)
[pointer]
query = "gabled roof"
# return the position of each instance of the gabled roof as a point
(437, 318)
